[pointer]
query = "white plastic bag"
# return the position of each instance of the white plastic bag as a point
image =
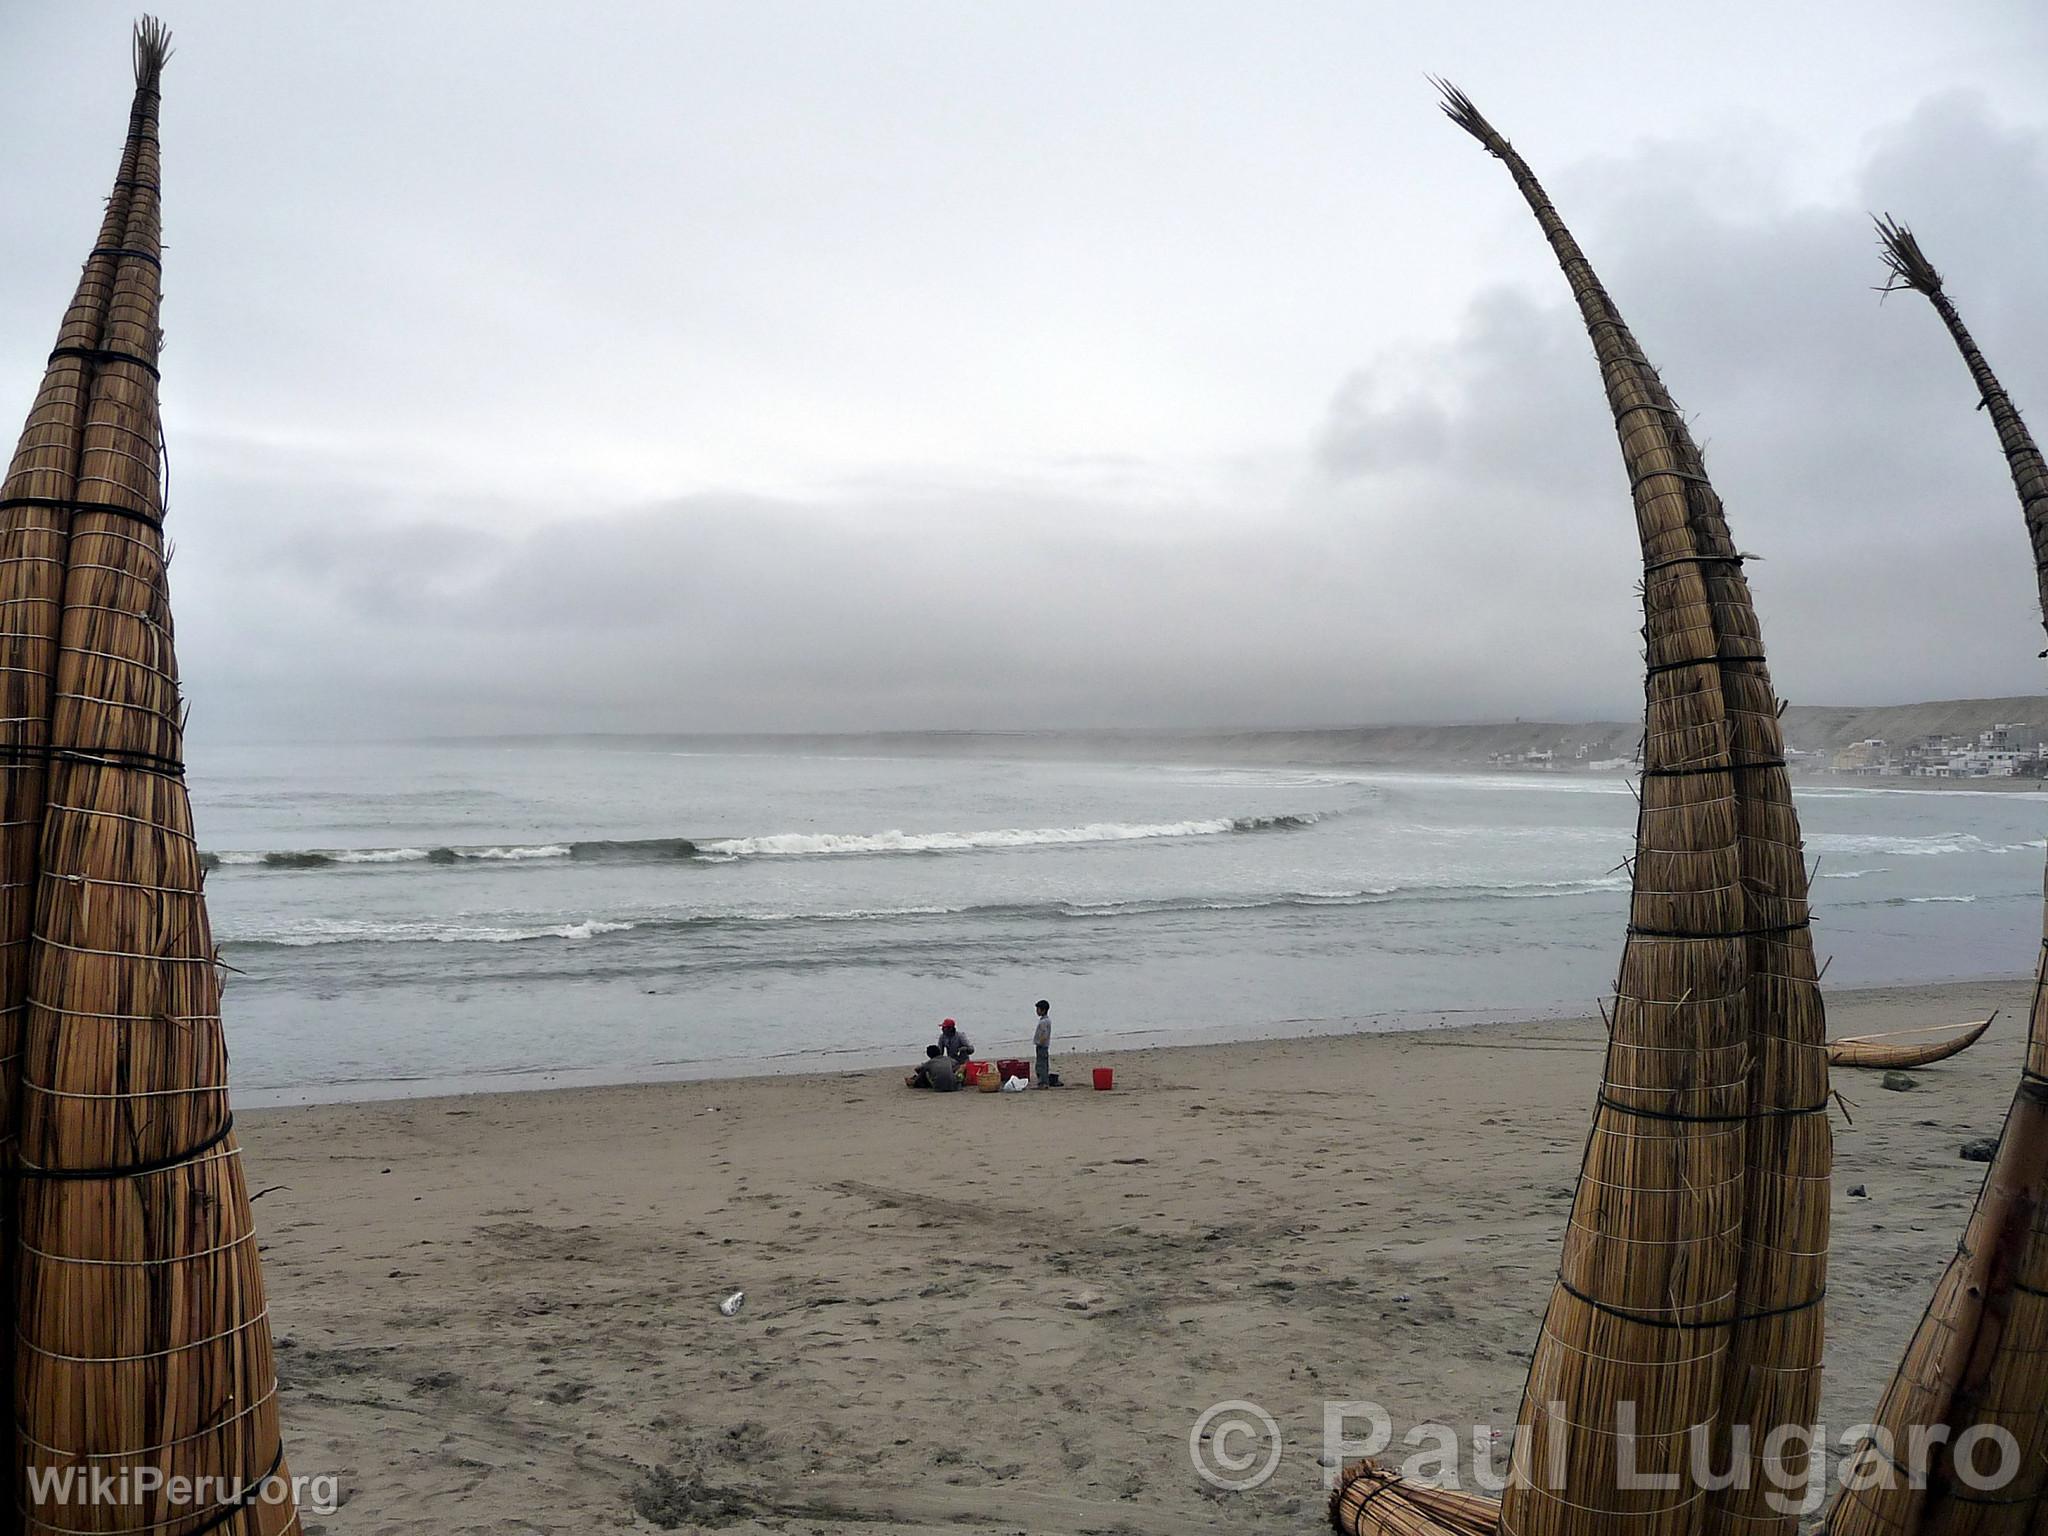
(1016, 1084)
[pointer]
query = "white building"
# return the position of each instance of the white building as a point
(1993, 763)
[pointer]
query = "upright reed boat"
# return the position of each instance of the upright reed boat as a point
(141, 1335)
(1686, 1321)
(1977, 1365)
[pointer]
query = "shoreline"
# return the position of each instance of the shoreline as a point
(877, 1060)
(984, 1312)
(883, 1060)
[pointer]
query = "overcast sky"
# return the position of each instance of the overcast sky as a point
(761, 365)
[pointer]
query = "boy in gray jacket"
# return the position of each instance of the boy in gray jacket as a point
(1041, 1038)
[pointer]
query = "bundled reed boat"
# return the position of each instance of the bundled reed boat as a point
(143, 1348)
(1689, 1295)
(1373, 1497)
(1977, 1364)
(1902, 1048)
(37, 501)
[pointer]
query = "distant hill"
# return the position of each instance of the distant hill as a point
(1810, 727)
(1830, 726)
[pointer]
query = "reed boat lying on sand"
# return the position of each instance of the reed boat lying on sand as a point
(1373, 1497)
(1900, 1048)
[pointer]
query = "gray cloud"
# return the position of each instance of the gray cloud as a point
(751, 398)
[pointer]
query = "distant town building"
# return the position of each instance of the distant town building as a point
(1870, 756)
(2003, 751)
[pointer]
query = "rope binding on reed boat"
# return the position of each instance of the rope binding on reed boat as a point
(1667, 1322)
(121, 250)
(1669, 474)
(1637, 932)
(107, 355)
(133, 1170)
(1729, 767)
(1786, 1112)
(17, 752)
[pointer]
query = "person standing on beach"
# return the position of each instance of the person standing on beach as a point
(1041, 1040)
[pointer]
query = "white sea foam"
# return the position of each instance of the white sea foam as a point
(1364, 896)
(589, 928)
(801, 844)
(364, 931)
(315, 932)
(1935, 846)
(777, 845)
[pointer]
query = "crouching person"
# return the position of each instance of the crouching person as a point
(939, 1073)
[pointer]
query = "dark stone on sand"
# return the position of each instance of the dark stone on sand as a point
(674, 1502)
(1982, 1150)
(1899, 1082)
(1858, 1192)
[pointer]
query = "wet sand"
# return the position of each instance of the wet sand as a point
(966, 1312)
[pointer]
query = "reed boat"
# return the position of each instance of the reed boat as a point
(1689, 1292)
(1977, 1365)
(1899, 1049)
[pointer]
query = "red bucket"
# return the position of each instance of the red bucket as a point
(1105, 1079)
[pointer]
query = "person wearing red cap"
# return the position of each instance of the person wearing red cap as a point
(953, 1041)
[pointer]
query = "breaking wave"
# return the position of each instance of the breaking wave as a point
(1935, 846)
(324, 858)
(801, 844)
(780, 845)
(470, 930)
(350, 931)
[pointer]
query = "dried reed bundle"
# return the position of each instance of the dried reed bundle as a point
(1899, 1048)
(1980, 1354)
(1372, 1500)
(1741, 1081)
(143, 1340)
(36, 499)
(1640, 1318)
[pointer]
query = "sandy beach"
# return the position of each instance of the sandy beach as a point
(994, 1312)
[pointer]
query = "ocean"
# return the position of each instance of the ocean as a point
(435, 917)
